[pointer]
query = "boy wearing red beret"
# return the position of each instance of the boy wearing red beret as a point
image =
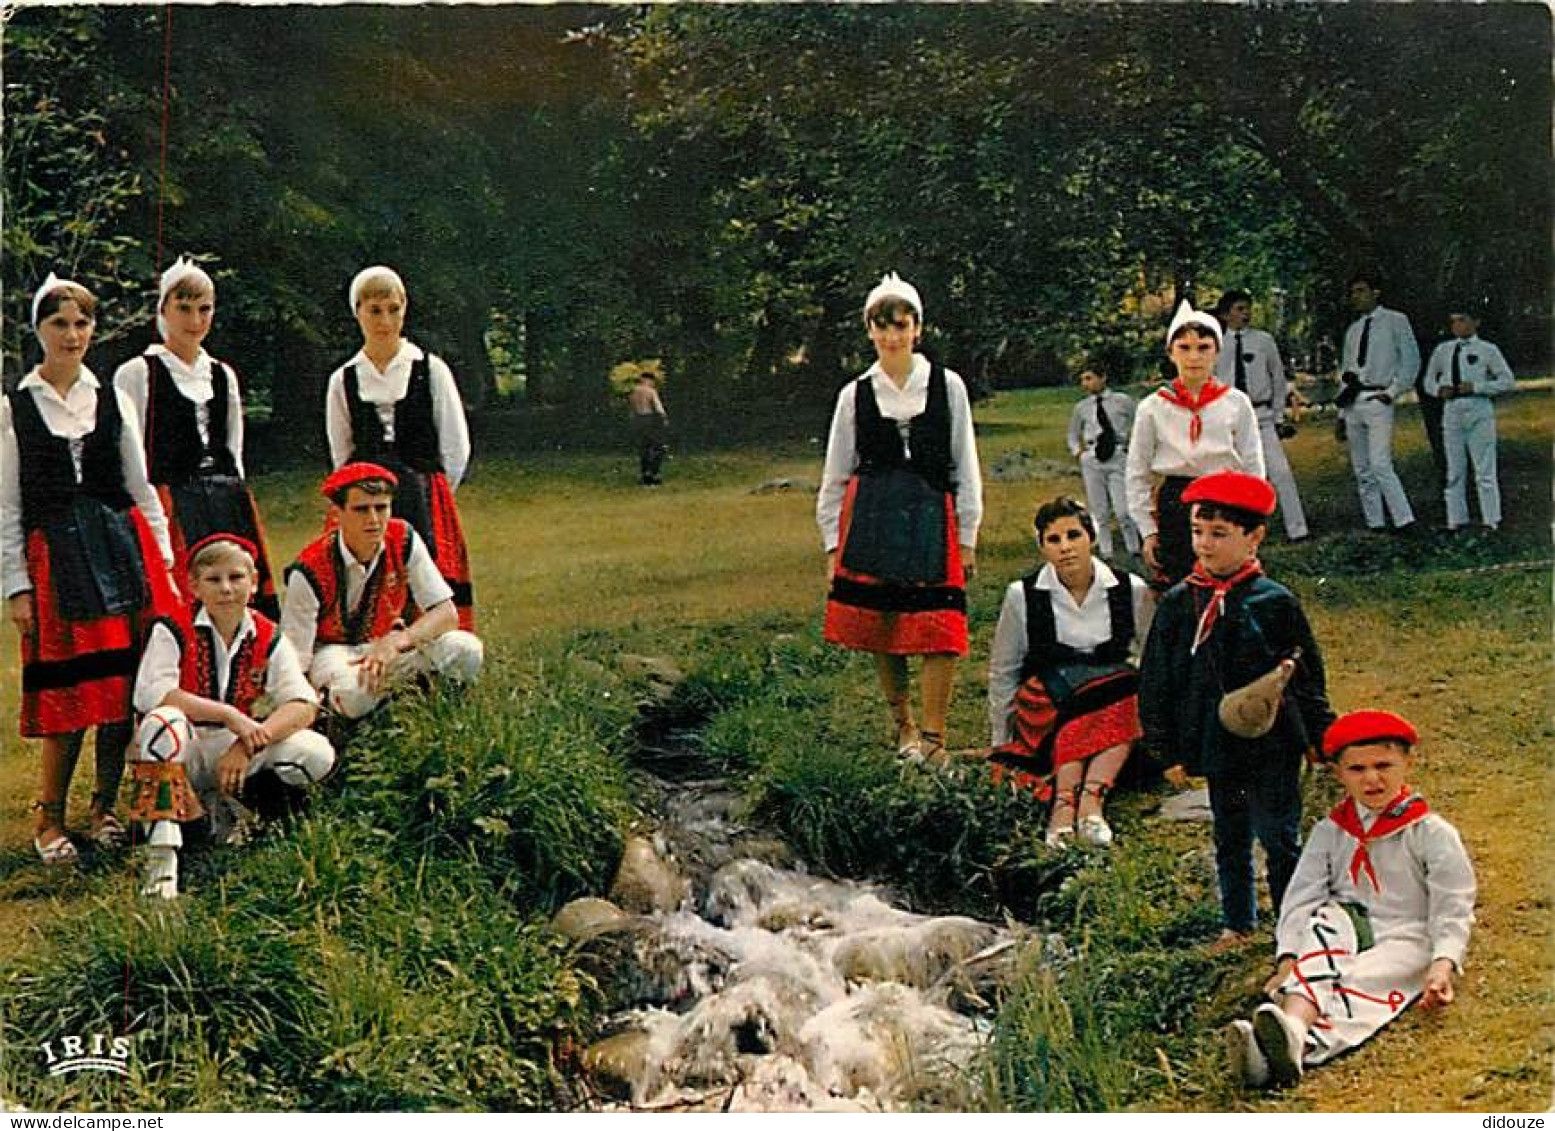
(1220, 629)
(1377, 915)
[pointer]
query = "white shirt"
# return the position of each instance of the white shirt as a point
(195, 384)
(1084, 626)
(1266, 383)
(383, 390)
(1392, 355)
(71, 417)
(1427, 885)
(901, 405)
(1160, 445)
(1480, 365)
(160, 665)
(300, 614)
(1084, 428)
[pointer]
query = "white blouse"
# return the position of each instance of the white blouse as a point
(160, 665)
(385, 388)
(196, 385)
(1160, 445)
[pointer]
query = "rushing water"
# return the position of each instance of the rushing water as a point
(770, 989)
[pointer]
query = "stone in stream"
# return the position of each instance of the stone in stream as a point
(645, 883)
(916, 957)
(655, 669)
(616, 1064)
(584, 918)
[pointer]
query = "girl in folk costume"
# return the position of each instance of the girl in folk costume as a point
(1377, 915)
(1188, 428)
(227, 710)
(396, 405)
(1063, 696)
(190, 411)
(84, 557)
(900, 502)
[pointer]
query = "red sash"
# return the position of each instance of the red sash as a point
(1218, 587)
(1177, 393)
(1403, 811)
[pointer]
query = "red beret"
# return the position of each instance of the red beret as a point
(1367, 726)
(349, 475)
(222, 536)
(1233, 489)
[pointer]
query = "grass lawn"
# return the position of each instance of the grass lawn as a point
(570, 555)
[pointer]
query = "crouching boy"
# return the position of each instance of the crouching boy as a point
(227, 711)
(366, 609)
(1377, 915)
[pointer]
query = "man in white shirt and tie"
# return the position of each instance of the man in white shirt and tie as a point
(1251, 362)
(1378, 366)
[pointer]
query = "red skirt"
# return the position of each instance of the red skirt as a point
(871, 615)
(264, 594)
(81, 673)
(1046, 738)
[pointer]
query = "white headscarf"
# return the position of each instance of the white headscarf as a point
(183, 268)
(893, 285)
(50, 285)
(380, 271)
(1187, 316)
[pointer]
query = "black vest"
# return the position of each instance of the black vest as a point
(174, 453)
(879, 442)
(415, 431)
(1043, 650)
(48, 475)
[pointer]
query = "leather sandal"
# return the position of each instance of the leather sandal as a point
(58, 849)
(107, 833)
(932, 749)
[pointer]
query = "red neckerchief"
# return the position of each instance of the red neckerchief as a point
(1177, 393)
(1403, 811)
(1218, 587)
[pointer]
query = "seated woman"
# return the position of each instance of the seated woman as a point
(1062, 690)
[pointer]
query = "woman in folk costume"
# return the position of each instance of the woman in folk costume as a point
(1063, 694)
(396, 405)
(1185, 429)
(1377, 915)
(189, 408)
(84, 561)
(900, 503)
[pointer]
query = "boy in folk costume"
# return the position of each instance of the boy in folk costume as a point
(366, 608)
(1190, 427)
(398, 406)
(1099, 429)
(227, 710)
(190, 410)
(1223, 628)
(1465, 372)
(899, 507)
(1377, 915)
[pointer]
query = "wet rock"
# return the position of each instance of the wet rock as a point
(918, 956)
(766, 849)
(584, 918)
(638, 963)
(616, 1064)
(656, 669)
(1192, 805)
(645, 883)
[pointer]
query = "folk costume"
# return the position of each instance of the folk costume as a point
(1179, 436)
(1061, 686)
(1250, 361)
(1098, 436)
(900, 494)
(409, 418)
(1213, 635)
(1379, 361)
(82, 529)
(1476, 372)
(336, 606)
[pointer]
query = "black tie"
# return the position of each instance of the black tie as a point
(1108, 440)
(1457, 369)
(1360, 356)
(1241, 364)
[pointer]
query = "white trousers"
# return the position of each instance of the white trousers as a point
(336, 672)
(1106, 497)
(1469, 435)
(1356, 991)
(299, 759)
(1369, 424)
(1283, 478)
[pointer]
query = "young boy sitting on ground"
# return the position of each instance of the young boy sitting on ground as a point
(1222, 628)
(1377, 915)
(227, 711)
